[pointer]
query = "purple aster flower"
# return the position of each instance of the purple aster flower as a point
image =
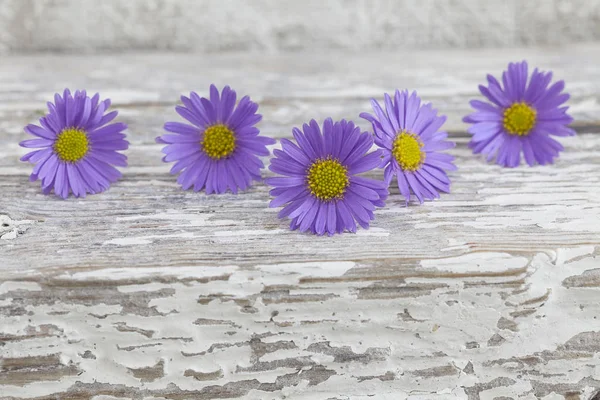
(220, 150)
(521, 117)
(320, 188)
(78, 150)
(407, 131)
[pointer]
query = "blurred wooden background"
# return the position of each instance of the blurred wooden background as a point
(290, 25)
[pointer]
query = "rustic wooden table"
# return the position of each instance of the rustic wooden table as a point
(147, 291)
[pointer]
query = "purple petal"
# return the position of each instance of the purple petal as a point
(366, 163)
(403, 185)
(36, 143)
(293, 151)
(321, 219)
(40, 132)
(61, 185)
(346, 216)
(331, 218)
(291, 194)
(286, 182)
(415, 187)
(189, 116)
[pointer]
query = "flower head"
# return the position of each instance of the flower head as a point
(78, 150)
(407, 131)
(220, 150)
(320, 189)
(523, 113)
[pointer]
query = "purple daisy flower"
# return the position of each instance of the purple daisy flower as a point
(220, 150)
(78, 149)
(407, 131)
(521, 118)
(320, 189)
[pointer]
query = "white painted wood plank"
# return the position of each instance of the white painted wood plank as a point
(147, 291)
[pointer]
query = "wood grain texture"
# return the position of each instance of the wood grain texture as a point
(149, 292)
(284, 25)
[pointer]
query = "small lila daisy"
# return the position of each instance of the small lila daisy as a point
(408, 132)
(78, 148)
(320, 189)
(220, 150)
(522, 116)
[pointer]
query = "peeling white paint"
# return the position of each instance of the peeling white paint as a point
(138, 273)
(9, 286)
(488, 262)
(494, 281)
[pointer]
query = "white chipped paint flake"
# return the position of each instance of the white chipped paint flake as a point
(477, 262)
(10, 235)
(10, 228)
(178, 218)
(129, 273)
(253, 232)
(556, 304)
(389, 209)
(128, 241)
(372, 231)
(454, 245)
(99, 311)
(310, 269)
(145, 240)
(553, 396)
(9, 286)
(567, 254)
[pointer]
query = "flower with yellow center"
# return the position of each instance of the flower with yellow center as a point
(71, 145)
(218, 148)
(319, 187)
(408, 151)
(218, 141)
(408, 130)
(78, 147)
(522, 114)
(519, 119)
(327, 179)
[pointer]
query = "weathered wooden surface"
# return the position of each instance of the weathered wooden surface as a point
(147, 291)
(284, 25)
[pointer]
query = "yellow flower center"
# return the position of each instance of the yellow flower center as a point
(71, 145)
(519, 119)
(218, 141)
(407, 150)
(327, 179)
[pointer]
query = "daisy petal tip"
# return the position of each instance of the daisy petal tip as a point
(365, 115)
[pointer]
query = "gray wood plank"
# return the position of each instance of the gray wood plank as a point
(147, 291)
(225, 25)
